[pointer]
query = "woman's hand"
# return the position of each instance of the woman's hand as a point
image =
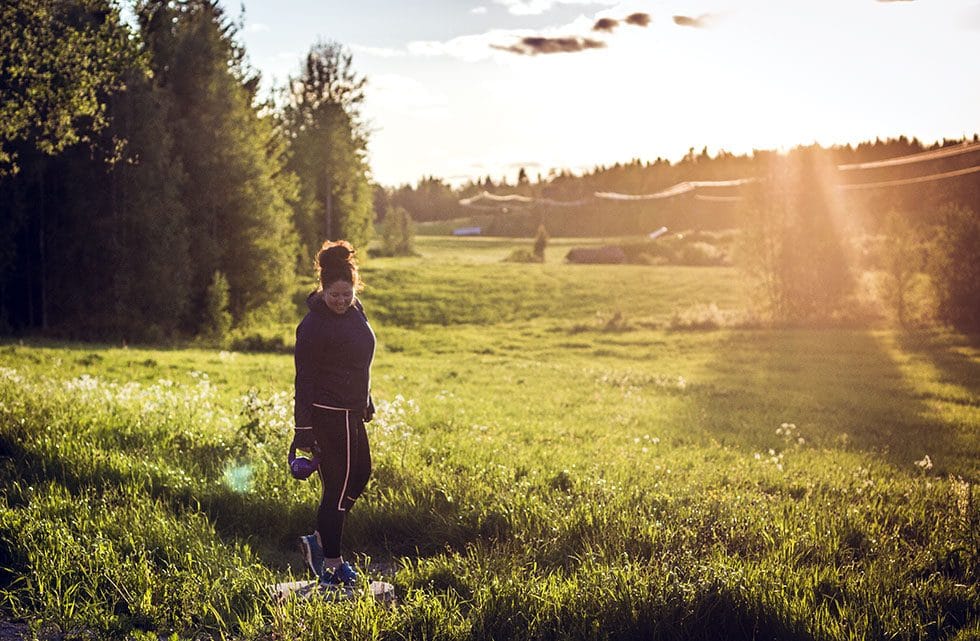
(303, 439)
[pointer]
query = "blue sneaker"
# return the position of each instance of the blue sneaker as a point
(309, 545)
(344, 576)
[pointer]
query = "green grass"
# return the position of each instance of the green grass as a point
(544, 469)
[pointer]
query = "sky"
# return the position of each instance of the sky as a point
(463, 89)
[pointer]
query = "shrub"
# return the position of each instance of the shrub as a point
(257, 341)
(541, 242)
(523, 255)
(954, 265)
(397, 234)
(701, 254)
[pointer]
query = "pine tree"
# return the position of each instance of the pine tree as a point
(397, 233)
(327, 144)
(237, 193)
(126, 271)
(60, 65)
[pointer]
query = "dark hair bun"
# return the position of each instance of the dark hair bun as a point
(335, 261)
(336, 255)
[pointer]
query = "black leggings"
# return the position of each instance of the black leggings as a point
(345, 467)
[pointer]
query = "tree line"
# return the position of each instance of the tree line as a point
(147, 190)
(432, 199)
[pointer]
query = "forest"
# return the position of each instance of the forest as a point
(149, 192)
(147, 189)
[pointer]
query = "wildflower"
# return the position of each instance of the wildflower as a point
(962, 496)
(925, 463)
(11, 375)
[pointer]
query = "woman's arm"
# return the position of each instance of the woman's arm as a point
(304, 357)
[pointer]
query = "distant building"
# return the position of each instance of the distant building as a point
(610, 255)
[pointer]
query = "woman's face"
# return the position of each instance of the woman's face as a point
(339, 296)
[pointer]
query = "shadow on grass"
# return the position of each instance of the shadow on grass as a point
(842, 389)
(853, 391)
(945, 352)
(270, 527)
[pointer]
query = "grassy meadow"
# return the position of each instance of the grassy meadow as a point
(560, 452)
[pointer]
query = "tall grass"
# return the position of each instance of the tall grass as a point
(543, 470)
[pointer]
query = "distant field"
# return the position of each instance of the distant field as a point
(483, 249)
(557, 456)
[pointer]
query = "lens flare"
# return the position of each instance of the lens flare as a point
(238, 477)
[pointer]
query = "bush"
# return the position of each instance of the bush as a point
(701, 254)
(708, 317)
(541, 242)
(397, 234)
(258, 341)
(954, 266)
(522, 255)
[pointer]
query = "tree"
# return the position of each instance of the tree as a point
(792, 239)
(121, 229)
(540, 242)
(62, 65)
(432, 199)
(955, 267)
(397, 233)
(903, 264)
(237, 193)
(327, 149)
(217, 317)
(59, 60)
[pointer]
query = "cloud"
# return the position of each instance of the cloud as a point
(537, 7)
(533, 45)
(468, 48)
(479, 10)
(638, 19)
(379, 52)
(605, 24)
(700, 22)
(570, 38)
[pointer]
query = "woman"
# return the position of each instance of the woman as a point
(334, 350)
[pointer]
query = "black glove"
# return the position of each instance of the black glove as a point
(369, 410)
(303, 440)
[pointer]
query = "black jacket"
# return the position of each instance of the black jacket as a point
(333, 359)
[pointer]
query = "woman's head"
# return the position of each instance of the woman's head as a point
(337, 271)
